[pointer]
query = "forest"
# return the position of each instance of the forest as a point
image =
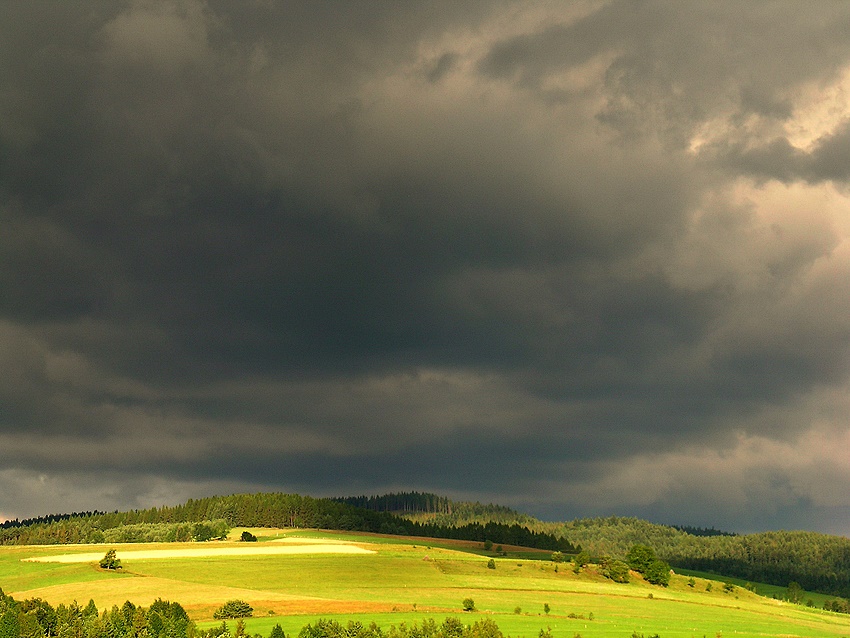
(206, 518)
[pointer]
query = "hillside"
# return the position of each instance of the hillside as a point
(292, 578)
(818, 562)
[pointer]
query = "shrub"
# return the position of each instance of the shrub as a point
(452, 627)
(248, 537)
(109, 561)
(484, 628)
(640, 557)
(657, 573)
(615, 570)
(234, 609)
(491, 564)
(468, 604)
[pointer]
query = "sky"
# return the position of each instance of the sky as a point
(578, 258)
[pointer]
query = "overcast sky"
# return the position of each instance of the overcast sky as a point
(579, 258)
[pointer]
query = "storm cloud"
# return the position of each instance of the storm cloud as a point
(580, 258)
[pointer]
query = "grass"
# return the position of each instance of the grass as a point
(410, 579)
(769, 591)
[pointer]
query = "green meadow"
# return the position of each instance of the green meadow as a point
(407, 580)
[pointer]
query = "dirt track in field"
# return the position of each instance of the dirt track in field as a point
(200, 552)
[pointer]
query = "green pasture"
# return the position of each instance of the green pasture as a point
(409, 580)
(762, 589)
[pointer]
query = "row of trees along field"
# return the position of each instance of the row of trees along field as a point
(90, 529)
(35, 618)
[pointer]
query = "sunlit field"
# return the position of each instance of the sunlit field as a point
(393, 580)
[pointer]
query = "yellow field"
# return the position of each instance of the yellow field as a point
(208, 551)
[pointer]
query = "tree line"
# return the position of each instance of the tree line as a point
(263, 510)
(818, 562)
(91, 529)
(439, 510)
(35, 618)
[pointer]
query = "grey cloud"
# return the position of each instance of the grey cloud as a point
(674, 65)
(425, 246)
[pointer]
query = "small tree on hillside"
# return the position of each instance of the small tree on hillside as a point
(794, 592)
(468, 604)
(234, 609)
(657, 573)
(109, 561)
(580, 560)
(640, 557)
(616, 570)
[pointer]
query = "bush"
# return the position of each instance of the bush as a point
(580, 560)
(657, 573)
(109, 561)
(248, 537)
(491, 564)
(468, 604)
(234, 609)
(209, 530)
(615, 570)
(640, 557)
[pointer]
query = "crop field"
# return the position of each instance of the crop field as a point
(292, 578)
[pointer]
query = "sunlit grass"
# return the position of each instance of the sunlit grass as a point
(408, 580)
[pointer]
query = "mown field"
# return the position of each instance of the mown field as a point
(403, 580)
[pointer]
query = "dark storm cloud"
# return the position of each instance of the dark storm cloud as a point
(511, 251)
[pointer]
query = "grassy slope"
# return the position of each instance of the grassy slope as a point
(433, 577)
